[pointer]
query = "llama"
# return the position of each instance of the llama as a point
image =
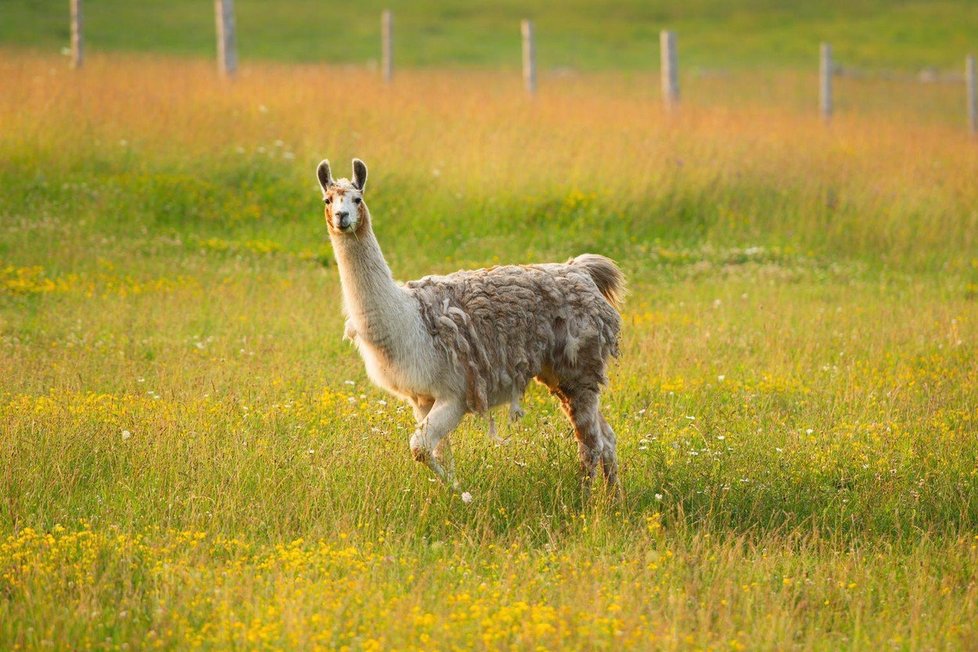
(469, 341)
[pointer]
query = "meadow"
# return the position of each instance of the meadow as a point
(191, 457)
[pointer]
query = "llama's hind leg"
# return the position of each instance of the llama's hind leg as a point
(581, 406)
(431, 436)
(609, 457)
(515, 410)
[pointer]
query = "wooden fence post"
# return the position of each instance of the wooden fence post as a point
(77, 39)
(826, 68)
(529, 57)
(227, 56)
(971, 90)
(669, 65)
(387, 44)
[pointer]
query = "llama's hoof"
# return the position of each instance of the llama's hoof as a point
(466, 497)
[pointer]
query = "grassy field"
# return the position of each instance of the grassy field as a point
(584, 34)
(191, 457)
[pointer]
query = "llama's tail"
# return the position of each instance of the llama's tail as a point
(606, 275)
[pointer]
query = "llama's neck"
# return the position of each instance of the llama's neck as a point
(379, 309)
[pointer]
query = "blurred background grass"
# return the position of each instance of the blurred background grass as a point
(579, 34)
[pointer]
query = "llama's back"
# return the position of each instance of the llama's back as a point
(503, 325)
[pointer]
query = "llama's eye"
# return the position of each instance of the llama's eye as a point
(327, 200)
(357, 200)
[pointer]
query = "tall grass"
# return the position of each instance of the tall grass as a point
(190, 456)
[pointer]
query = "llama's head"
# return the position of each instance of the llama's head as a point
(345, 210)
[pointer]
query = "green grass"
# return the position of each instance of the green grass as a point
(191, 457)
(714, 35)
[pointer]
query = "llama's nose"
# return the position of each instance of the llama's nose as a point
(342, 215)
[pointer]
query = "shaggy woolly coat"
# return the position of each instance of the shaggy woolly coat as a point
(498, 328)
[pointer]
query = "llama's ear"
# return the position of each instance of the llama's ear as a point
(359, 174)
(325, 177)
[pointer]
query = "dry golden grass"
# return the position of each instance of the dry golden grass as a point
(884, 184)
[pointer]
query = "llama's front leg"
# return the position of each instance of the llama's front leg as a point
(441, 420)
(443, 455)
